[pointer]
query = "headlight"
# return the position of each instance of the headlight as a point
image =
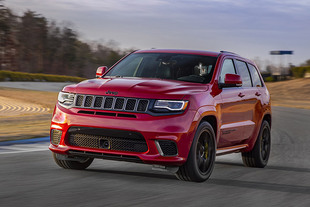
(171, 105)
(66, 99)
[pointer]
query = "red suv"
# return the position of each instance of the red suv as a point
(174, 109)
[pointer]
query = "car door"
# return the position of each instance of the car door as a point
(231, 110)
(260, 93)
(250, 99)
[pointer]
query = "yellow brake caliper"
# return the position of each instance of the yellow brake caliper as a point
(206, 150)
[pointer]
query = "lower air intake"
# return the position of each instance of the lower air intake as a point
(106, 139)
(168, 148)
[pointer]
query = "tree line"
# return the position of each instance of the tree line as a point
(31, 43)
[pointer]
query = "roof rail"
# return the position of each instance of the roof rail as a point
(228, 52)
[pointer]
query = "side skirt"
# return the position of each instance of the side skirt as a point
(227, 150)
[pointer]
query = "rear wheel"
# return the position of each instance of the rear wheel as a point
(201, 158)
(69, 164)
(259, 155)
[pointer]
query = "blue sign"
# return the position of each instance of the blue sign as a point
(281, 52)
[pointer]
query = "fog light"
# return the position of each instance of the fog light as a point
(55, 136)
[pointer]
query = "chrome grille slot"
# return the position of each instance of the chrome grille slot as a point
(79, 100)
(142, 106)
(130, 105)
(119, 103)
(88, 101)
(98, 102)
(108, 103)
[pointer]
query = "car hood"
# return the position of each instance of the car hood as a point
(137, 88)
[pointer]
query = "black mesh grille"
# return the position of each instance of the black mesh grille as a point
(119, 142)
(108, 103)
(142, 105)
(55, 136)
(168, 148)
(88, 101)
(84, 140)
(119, 103)
(79, 100)
(98, 102)
(130, 105)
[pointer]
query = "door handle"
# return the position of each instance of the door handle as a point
(241, 95)
(257, 94)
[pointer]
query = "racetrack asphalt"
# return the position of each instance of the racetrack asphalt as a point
(31, 178)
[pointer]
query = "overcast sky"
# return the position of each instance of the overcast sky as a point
(250, 28)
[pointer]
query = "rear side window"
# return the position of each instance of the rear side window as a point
(255, 77)
(244, 73)
(228, 67)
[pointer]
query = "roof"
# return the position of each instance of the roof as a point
(195, 52)
(192, 52)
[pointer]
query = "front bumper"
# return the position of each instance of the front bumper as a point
(177, 128)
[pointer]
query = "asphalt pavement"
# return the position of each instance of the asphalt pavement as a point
(29, 176)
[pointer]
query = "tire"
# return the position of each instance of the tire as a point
(76, 165)
(201, 158)
(259, 155)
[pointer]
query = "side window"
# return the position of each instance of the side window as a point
(244, 73)
(255, 77)
(228, 67)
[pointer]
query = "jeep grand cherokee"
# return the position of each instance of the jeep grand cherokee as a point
(174, 109)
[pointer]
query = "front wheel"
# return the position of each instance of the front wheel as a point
(201, 158)
(69, 164)
(259, 155)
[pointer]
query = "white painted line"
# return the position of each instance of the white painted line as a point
(22, 148)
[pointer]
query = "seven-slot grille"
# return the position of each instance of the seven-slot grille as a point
(111, 103)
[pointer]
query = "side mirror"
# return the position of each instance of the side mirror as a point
(231, 80)
(100, 71)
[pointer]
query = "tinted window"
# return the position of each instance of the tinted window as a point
(228, 67)
(244, 73)
(255, 77)
(182, 67)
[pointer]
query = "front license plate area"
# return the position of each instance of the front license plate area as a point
(104, 144)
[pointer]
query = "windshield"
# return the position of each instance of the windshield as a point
(182, 67)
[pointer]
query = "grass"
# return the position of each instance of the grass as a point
(22, 76)
(292, 93)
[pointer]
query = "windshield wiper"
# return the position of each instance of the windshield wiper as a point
(114, 76)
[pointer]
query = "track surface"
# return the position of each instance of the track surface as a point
(29, 176)
(13, 107)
